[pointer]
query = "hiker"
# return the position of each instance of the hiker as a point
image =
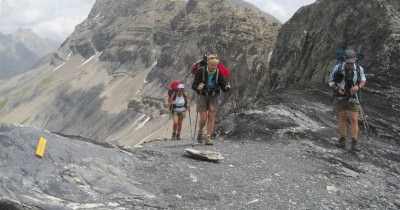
(207, 83)
(346, 80)
(179, 104)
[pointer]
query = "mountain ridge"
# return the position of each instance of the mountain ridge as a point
(122, 63)
(21, 51)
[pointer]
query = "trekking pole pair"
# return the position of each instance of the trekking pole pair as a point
(363, 118)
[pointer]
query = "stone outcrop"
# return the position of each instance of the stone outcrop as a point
(73, 174)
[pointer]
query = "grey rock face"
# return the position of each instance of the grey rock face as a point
(73, 174)
(175, 34)
(125, 31)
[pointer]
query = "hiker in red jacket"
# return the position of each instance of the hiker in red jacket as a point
(179, 104)
(207, 83)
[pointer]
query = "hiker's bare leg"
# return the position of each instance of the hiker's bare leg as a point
(211, 122)
(203, 120)
(342, 123)
(175, 123)
(354, 124)
(180, 120)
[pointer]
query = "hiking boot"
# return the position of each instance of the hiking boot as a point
(208, 140)
(178, 136)
(173, 136)
(200, 138)
(354, 145)
(213, 135)
(342, 142)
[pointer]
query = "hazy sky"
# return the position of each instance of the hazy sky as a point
(56, 19)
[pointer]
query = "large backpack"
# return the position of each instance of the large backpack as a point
(203, 62)
(198, 64)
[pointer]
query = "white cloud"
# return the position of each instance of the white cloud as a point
(283, 10)
(275, 9)
(57, 19)
(54, 19)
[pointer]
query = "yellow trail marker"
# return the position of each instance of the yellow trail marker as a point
(41, 147)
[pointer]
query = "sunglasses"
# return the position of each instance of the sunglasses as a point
(212, 57)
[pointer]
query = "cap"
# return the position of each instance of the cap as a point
(350, 57)
(181, 86)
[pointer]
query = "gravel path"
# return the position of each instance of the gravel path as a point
(268, 174)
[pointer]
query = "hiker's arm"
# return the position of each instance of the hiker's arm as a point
(170, 100)
(196, 86)
(361, 83)
(187, 101)
(362, 77)
(332, 84)
(225, 86)
(196, 82)
(358, 86)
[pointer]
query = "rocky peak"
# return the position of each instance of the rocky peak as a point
(125, 31)
(35, 43)
(173, 34)
(21, 50)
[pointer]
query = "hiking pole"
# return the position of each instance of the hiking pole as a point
(191, 132)
(195, 126)
(234, 112)
(234, 109)
(364, 119)
(169, 119)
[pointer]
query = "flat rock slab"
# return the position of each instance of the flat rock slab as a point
(204, 155)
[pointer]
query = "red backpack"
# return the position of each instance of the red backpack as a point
(173, 86)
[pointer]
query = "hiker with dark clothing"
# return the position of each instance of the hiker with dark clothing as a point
(346, 80)
(179, 104)
(207, 83)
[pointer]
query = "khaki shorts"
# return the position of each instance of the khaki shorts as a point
(341, 105)
(207, 103)
(179, 114)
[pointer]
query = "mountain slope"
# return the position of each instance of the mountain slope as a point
(109, 79)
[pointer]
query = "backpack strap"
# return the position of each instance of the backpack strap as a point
(216, 78)
(173, 95)
(204, 73)
(358, 71)
(185, 96)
